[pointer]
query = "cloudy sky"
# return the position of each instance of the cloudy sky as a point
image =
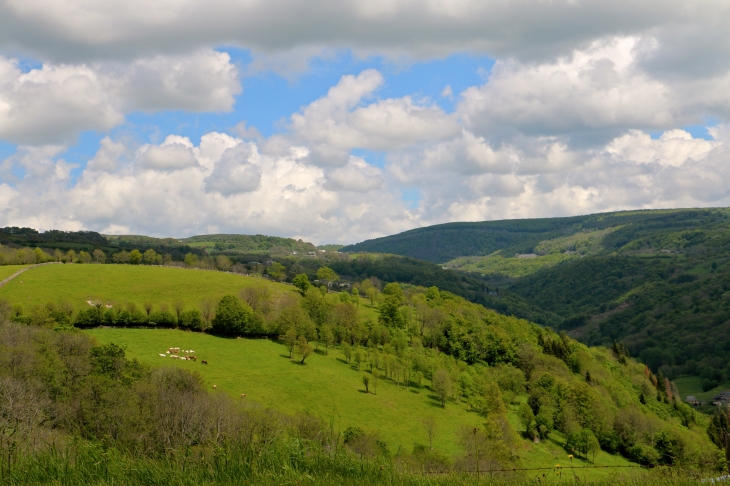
(341, 121)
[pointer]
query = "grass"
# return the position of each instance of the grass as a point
(261, 369)
(511, 267)
(126, 283)
(328, 388)
(692, 385)
(8, 270)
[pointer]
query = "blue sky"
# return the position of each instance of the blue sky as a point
(127, 126)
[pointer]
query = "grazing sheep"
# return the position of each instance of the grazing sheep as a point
(191, 351)
(168, 351)
(243, 395)
(215, 386)
(174, 356)
(163, 355)
(183, 358)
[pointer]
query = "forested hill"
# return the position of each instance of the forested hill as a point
(444, 242)
(657, 280)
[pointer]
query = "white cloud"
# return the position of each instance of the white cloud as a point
(56, 102)
(236, 172)
(357, 176)
(339, 122)
(176, 153)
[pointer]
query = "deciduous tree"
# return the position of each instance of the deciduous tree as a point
(135, 257)
(301, 282)
(442, 385)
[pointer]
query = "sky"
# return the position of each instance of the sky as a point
(336, 122)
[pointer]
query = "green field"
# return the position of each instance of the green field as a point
(326, 387)
(8, 270)
(692, 385)
(260, 368)
(126, 283)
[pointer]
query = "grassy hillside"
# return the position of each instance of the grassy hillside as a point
(126, 283)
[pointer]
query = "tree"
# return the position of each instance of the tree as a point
(431, 427)
(303, 348)
(232, 316)
(121, 257)
(84, 257)
(71, 256)
(277, 271)
(371, 293)
(356, 296)
(327, 338)
(527, 418)
(99, 256)
(442, 385)
(223, 263)
(347, 351)
(150, 257)
(376, 376)
(147, 307)
(366, 382)
(40, 257)
(301, 282)
(290, 339)
(394, 290)
(135, 257)
(328, 275)
(191, 260)
(719, 433)
(207, 311)
(179, 305)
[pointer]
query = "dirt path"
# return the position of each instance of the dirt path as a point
(26, 269)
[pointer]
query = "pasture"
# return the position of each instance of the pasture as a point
(126, 283)
(8, 270)
(327, 387)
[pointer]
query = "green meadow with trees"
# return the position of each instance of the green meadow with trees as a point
(391, 379)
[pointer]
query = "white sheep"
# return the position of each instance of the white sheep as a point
(163, 355)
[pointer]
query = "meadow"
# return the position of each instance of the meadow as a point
(126, 283)
(325, 386)
(8, 270)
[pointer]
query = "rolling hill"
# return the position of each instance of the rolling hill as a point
(656, 280)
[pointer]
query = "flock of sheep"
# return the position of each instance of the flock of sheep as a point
(175, 353)
(189, 356)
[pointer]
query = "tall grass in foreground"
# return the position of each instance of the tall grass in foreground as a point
(283, 463)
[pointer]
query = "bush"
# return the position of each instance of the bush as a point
(191, 319)
(162, 319)
(233, 316)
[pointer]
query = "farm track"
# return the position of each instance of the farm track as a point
(25, 270)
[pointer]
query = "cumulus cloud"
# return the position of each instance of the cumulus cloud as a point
(236, 172)
(175, 153)
(357, 176)
(339, 122)
(54, 103)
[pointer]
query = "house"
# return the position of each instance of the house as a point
(692, 400)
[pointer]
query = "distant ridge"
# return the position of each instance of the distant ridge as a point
(444, 242)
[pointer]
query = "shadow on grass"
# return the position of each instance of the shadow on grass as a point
(342, 361)
(319, 351)
(285, 356)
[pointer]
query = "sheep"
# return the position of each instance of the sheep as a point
(183, 358)
(191, 352)
(168, 351)
(163, 355)
(174, 356)
(215, 386)
(243, 395)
